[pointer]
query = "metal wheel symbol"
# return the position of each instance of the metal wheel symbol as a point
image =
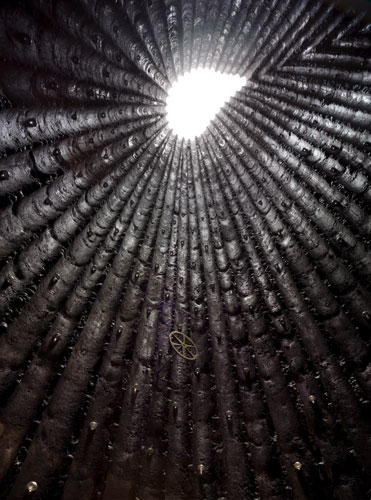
(183, 345)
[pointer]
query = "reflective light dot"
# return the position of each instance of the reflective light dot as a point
(32, 486)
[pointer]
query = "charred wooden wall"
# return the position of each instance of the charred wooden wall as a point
(254, 240)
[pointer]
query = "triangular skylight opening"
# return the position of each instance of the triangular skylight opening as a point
(196, 97)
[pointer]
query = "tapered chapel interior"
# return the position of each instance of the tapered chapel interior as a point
(185, 305)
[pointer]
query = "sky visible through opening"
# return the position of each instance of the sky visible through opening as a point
(196, 97)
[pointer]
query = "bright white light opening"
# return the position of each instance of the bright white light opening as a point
(196, 97)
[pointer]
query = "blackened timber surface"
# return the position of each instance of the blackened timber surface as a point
(254, 240)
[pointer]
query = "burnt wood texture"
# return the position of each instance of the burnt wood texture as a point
(253, 240)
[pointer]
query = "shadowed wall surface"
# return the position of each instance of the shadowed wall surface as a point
(253, 240)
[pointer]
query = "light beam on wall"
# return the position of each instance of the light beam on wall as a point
(196, 97)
